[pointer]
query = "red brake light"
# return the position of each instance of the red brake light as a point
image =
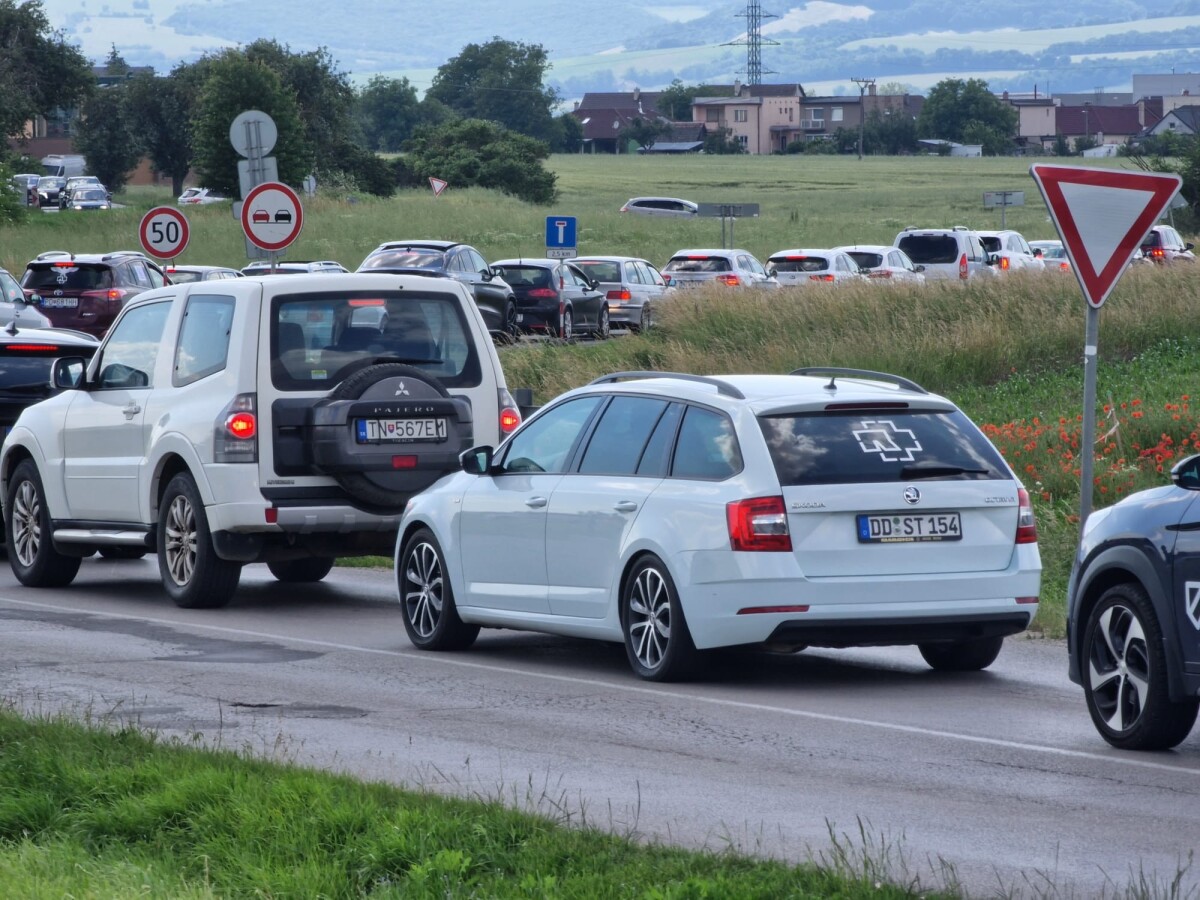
(731, 280)
(963, 269)
(619, 295)
(1064, 266)
(795, 257)
(543, 292)
(407, 461)
(1026, 523)
(358, 301)
(1158, 253)
(1004, 262)
(758, 524)
(242, 425)
(110, 294)
(31, 348)
(820, 278)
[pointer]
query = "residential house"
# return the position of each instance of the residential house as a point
(604, 115)
(763, 118)
(1180, 120)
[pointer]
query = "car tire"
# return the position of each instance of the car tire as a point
(566, 326)
(31, 553)
(512, 328)
(657, 641)
(603, 326)
(962, 656)
(644, 319)
(1124, 669)
(426, 598)
(192, 573)
(301, 571)
(123, 552)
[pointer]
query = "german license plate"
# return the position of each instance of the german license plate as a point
(909, 528)
(399, 431)
(60, 302)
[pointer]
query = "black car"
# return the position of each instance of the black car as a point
(448, 259)
(48, 188)
(556, 298)
(1133, 614)
(85, 291)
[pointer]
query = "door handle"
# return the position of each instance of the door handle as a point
(625, 506)
(131, 410)
(535, 502)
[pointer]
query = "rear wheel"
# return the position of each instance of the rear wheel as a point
(192, 573)
(603, 328)
(31, 552)
(512, 328)
(566, 329)
(644, 318)
(426, 598)
(1125, 674)
(962, 656)
(657, 641)
(300, 571)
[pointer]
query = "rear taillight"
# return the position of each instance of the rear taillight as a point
(1004, 262)
(758, 524)
(621, 295)
(1026, 523)
(235, 433)
(110, 294)
(510, 413)
(543, 293)
(820, 278)
(1064, 266)
(731, 280)
(964, 270)
(1158, 253)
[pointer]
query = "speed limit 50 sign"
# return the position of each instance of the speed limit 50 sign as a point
(164, 232)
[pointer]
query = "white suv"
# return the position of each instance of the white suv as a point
(676, 513)
(946, 253)
(276, 420)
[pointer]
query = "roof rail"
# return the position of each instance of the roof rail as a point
(834, 371)
(49, 253)
(723, 387)
(115, 253)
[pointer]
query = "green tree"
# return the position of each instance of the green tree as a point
(889, 132)
(231, 84)
(967, 111)
(675, 101)
(468, 152)
(39, 71)
(644, 131)
(160, 111)
(501, 81)
(570, 134)
(105, 136)
(387, 110)
(721, 140)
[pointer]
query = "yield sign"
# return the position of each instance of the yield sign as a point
(1102, 216)
(438, 185)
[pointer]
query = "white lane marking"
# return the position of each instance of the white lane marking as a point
(637, 689)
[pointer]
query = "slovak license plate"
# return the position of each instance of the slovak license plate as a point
(401, 431)
(60, 302)
(909, 528)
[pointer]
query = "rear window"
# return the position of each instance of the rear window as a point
(880, 446)
(180, 277)
(319, 339)
(67, 277)
(926, 249)
(867, 260)
(698, 264)
(601, 271)
(991, 244)
(799, 263)
(405, 259)
(525, 276)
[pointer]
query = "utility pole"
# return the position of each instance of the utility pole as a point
(862, 83)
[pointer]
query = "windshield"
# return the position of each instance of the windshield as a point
(600, 271)
(180, 277)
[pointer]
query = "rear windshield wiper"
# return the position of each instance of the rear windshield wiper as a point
(935, 470)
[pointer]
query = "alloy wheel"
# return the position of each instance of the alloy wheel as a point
(1119, 668)
(26, 523)
(650, 618)
(180, 549)
(423, 589)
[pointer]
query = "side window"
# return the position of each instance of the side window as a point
(137, 273)
(544, 445)
(575, 278)
(157, 279)
(456, 263)
(656, 458)
(633, 274)
(755, 266)
(975, 249)
(707, 447)
(203, 338)
(127, 359)
(651, 275)
(616, 445)
(476, 262)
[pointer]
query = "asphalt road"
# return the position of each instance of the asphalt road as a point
(994, 780)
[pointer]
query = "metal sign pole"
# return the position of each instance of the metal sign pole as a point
(1087, 438)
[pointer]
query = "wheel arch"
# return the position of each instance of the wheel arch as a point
(169, 465)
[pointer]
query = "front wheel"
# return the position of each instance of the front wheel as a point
(512, 328)
(1125, 674)
(962, 656)
(192, 573)
(426, 598)
(657, 641)
(603, 327)
(301, 571)
(31, 551)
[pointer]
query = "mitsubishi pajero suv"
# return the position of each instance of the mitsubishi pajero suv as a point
(278, 420)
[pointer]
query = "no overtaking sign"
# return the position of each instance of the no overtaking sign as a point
(272, 216)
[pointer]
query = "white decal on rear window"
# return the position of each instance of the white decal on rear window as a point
(891, 443)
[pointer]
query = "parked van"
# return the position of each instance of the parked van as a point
(64, 165)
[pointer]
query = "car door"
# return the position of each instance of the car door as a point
(595, 505)
(502, 527)
(584, 299)
(104, 443)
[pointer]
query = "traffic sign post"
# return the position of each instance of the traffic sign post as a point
(730, 211)
(1003, 199)
(1102, 217)
(560, 237)
(272, 216)
(164, 232)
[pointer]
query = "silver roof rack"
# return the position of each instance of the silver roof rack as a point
(723, 387)
(834, 371)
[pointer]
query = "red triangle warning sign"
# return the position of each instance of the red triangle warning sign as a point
(438, 185)
(1102, 215)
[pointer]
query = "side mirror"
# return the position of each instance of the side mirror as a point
(1186, 473)
(771, 272)
(477, 460)
(488, 274)
(67, 374)
(1189, 246)
(917, 268)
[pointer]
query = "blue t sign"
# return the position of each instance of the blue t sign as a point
(560, 237)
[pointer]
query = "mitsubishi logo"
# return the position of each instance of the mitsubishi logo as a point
(401, 389)
(912, 496)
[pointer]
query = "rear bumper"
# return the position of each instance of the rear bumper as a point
(886, 632)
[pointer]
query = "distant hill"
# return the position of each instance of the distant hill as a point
(1016, 45)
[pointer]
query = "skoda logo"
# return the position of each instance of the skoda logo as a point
(912, 496)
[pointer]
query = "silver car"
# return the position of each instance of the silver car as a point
(735, 268)
(632, 285)
(660, 206)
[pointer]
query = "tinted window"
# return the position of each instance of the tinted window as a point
(800, 264)
(317, 338)
(867, 260)
(203, 338)
(615, 447)
(656, 458)
(650, 274)
(601, 271)
(132, 347)
(178, 277)
(67, 276)
(891, 445)
(698, 264)
(926, 249)
(544, 445)
(707, 447)
(991, 244)
(525, 276)
(404, 259)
